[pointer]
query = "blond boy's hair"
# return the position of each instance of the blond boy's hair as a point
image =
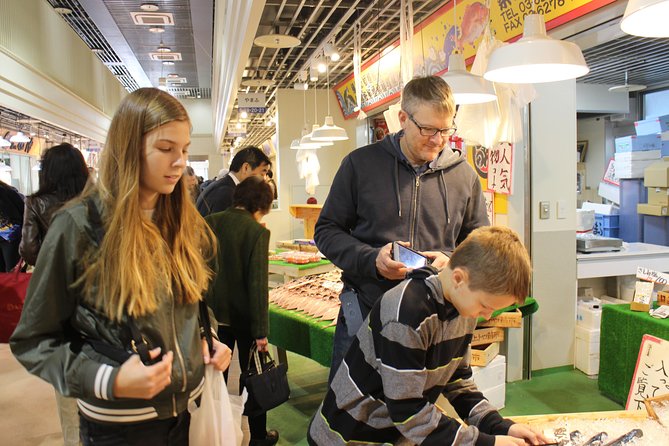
(496, 262)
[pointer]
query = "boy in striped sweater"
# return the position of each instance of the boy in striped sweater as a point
(415, 345)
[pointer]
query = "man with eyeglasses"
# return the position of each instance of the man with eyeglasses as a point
(410, 187)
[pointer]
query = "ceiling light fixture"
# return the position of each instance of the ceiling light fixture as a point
(467, 88)
(164, 49)
(626, 88)
(244, 115)
(646, 18)
(97, 50)
(61, 9)
(19, 138)
(313, 73)
(157, 29)
(4, 142)
(168, 62)
(536, 58)
(329, 131)
(330, 51)
(276, 41)
(172, 75)
(321, 66)
(149, 7)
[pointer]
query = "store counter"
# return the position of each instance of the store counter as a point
(296, 332)
(622, 330)
(623, 262)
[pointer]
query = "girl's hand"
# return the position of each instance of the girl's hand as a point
(136, 380)
(222, 355)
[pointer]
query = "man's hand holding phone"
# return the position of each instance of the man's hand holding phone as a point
(387, 266)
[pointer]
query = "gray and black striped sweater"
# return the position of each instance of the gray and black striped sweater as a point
(412, 347)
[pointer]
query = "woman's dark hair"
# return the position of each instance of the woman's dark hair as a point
(63, 172)
(253, 194)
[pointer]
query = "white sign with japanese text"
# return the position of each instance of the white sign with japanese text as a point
(651, 375)
(251, 102)
(500, 162)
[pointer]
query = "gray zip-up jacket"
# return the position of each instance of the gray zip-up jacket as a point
(377, 197)
(47, 340)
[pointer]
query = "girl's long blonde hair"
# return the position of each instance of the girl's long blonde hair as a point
(140, 260)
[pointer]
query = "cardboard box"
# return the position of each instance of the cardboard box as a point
(638, 143)
(643, 155)
(487, 335)
(658, 195)
(652, 125)
(483, 354)
(586, 350)
(657, 174)
(652, 209)
(492, 375)
(511, 319)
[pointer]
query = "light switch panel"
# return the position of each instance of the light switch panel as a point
(544, 210)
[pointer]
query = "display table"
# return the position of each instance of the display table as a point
(623, 262)
(291, 271)
(310, 337)
(622, 330)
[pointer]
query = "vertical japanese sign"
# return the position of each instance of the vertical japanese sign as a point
(500, 176)
(651, 375)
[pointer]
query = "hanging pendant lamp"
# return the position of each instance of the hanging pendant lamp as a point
(646, 18)
(4, 142)
(329, 131)
(307, 141)
(536, 58)
(19, 137)
(467, 88)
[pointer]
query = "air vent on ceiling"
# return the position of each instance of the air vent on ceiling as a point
(152, 18)
(165, 56)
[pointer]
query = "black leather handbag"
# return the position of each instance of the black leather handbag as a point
(266, 383)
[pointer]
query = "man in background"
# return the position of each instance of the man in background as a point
(217, 197)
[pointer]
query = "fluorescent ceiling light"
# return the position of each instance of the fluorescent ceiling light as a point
(536, 58)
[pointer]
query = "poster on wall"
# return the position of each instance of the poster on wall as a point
(500, 175)
(490, 206)
(380, 128)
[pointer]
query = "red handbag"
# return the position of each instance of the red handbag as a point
(13, 288)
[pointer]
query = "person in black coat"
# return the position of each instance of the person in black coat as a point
(11, 217)
(217, 197)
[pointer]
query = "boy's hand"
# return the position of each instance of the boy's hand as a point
(437, 259)
(531, 436)
(505, 440)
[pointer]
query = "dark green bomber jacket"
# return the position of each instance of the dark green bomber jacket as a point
(47, 338)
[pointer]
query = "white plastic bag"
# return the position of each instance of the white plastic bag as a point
(212, 424)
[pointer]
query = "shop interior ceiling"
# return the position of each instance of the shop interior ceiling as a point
(125, 47)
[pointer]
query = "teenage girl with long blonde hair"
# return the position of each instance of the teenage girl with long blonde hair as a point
(132, 252)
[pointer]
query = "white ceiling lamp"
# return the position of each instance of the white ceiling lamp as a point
(19, 138)
(646, 18)
(626, 87)
(149, 7)
(467, 88)
(276, 41)
(307, 142)
(331, 51)
(244, 115)
(295, 145)
(313, 73)
(536, 58)
(4, 142)
(329, 131)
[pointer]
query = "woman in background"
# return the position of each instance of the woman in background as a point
(240, 293)
(192, 183)
(132, 251)
(11, 217)
(62, 176)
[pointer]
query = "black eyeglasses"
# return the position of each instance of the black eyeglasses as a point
(431, 131)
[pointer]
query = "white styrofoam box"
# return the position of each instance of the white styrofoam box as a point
(496, 395)
(638, 156)
(609, 191)
(664, 136)
(632, 169)
(586, 351)
(655, 124)
(491, 375)
(635, 143)
(605, 209)
(589, 314)
(585, 220)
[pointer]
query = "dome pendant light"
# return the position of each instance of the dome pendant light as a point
(305, 142)
(329, 131)
(646, 18)
(467, 88)
(536, 58)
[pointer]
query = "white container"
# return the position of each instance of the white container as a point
(491, 375)
(609, 191)
(606, 209)
(637, 156)
(589, 314)
(625, 286)
(585, 220)
(586, 351)
(496, 395)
